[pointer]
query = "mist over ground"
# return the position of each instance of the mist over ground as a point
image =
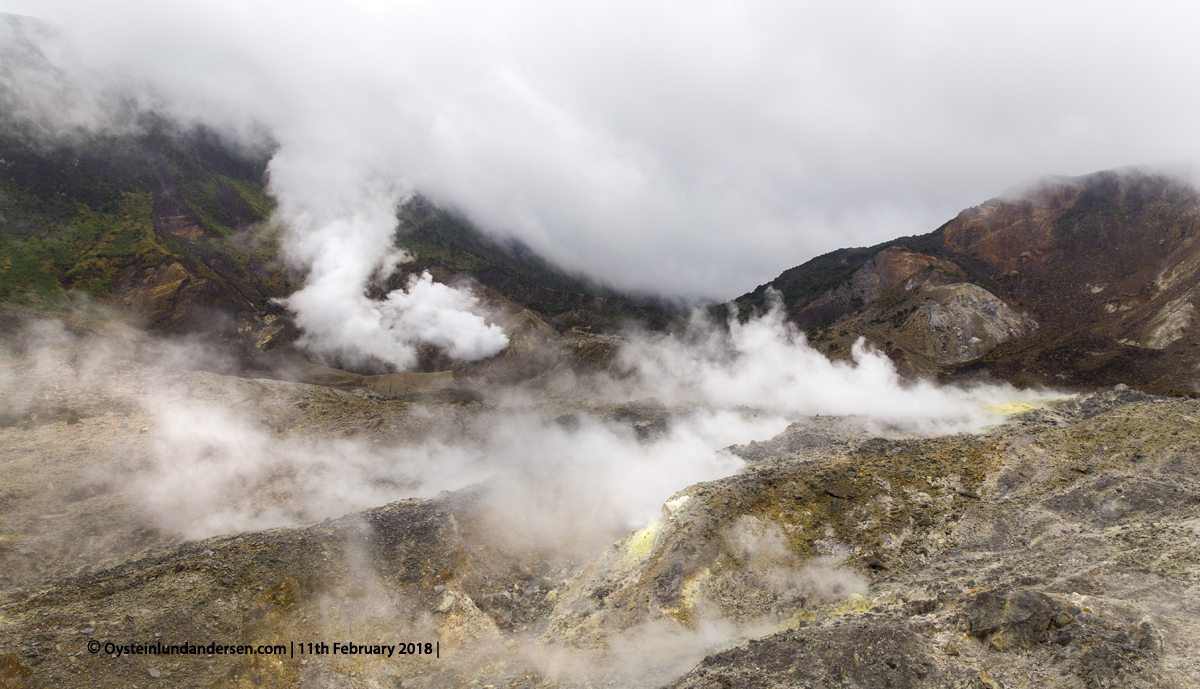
(225, 455)
(556, 479)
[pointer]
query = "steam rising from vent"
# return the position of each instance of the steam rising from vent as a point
(534, 485)
(766, 363)
(342, 243)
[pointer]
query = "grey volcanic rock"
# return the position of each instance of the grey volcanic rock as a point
(1051, 577)
(1011, 620)
(962, 322)
(859, 653)
(1057, 549)
(891, 649)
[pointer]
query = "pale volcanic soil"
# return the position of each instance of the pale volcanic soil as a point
(1060, 548)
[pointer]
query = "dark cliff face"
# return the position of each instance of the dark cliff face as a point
(449, 245)
(1090, 281)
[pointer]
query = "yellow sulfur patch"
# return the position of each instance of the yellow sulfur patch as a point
(641, 543)
(855, 603)
(683, 612)
(1009, 408)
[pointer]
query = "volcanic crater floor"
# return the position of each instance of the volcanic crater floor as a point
(1060, 548)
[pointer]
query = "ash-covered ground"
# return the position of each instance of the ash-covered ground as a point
(563, 540)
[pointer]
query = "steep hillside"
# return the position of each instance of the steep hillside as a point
(1084, 281)
(439, 237)
(168, 227)
(165, 225)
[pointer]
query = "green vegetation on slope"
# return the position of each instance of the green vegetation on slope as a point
(514, 270)
(431, 232)
(79, 211)
(90, 212)
(80, 252)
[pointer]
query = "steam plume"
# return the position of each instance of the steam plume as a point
(765, 362)
(343, 244)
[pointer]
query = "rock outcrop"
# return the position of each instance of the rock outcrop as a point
(961, 322)
(1090, 281)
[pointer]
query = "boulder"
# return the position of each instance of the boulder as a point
(1009, 620)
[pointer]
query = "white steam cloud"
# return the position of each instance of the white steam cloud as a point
(766, 363)
(343, 242)
(577, 484)
(227, 455)
(211, 472)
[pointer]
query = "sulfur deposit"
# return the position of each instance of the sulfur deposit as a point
(1055, 549)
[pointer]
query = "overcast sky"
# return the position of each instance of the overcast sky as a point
(694, 148)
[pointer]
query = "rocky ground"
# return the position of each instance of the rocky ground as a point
(1065, 555)
(1057, 549)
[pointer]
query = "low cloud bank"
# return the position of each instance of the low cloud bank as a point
(708, 153)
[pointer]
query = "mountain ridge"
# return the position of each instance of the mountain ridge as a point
(171, 227)
(1105, 265)
(1076, 282)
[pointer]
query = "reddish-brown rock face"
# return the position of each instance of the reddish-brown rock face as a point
(1095, 278)
(1113, 254)
(891, 269)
